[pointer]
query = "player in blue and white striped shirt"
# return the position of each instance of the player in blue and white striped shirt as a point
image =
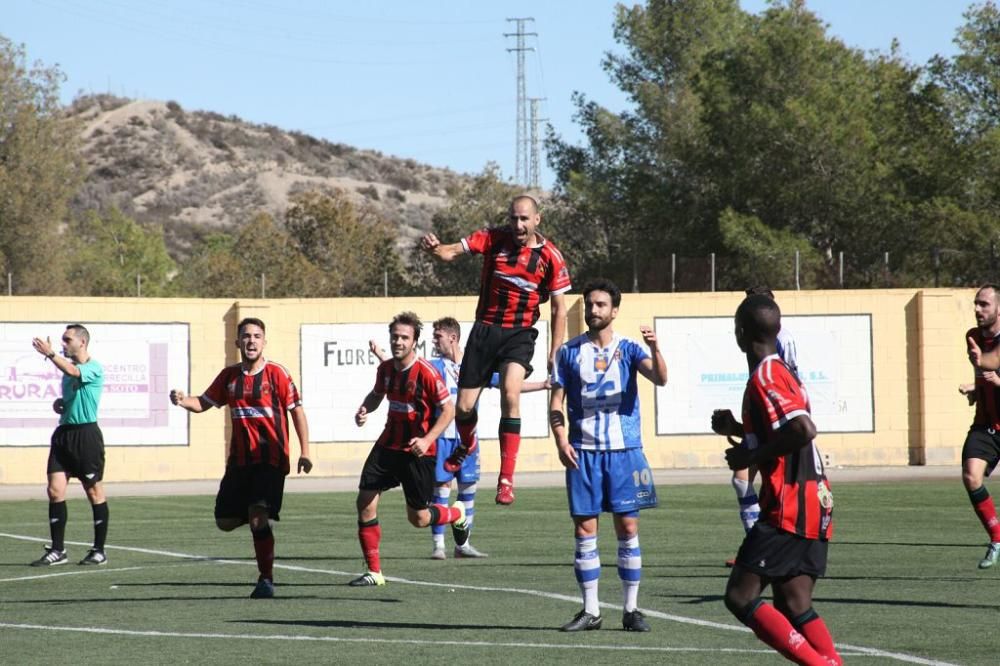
(606, 470)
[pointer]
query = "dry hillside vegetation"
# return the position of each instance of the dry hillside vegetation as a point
(196, 171)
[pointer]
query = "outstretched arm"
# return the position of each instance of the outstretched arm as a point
(44, 347)
(194, 404)
(433, 246)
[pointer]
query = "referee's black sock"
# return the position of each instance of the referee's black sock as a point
(100, 524)
(57, 524)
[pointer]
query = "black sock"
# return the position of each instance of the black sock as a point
(57, 524)
(100, 524)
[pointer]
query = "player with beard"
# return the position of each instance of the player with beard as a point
(521, 270)
(261, 396)
(981, 450)
(601, 449)
(420, 408)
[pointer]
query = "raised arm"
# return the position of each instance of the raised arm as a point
(433, 246)
(653, 368)
(44, 347)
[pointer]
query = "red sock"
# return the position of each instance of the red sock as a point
(819, 637)
(467, 432)
(445, 514)
(510, 442)
(370, 534)
(987, 511)
(263, 546)
(774, 629)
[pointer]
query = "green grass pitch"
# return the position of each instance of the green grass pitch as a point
(902, 585)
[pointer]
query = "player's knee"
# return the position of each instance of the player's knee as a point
(972, 480)
(418, 518)
(228, 524)
(741, 607)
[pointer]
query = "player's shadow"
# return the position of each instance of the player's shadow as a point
(694, 600)
(370, 624)
(914, 544)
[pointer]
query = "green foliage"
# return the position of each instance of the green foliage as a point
(352, 247)
(482, 202)
(765, 125)
(39, 172)
(108, 252)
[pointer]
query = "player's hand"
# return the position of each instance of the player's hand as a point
(991, 377)
(378, 351)
(305, 465)
(176, 395)
(975, 353)
(58, 406)
(429, 243)
(967, 389)
(43, 347)
(724, 423)
(361, 416)
(738, 458)
(567, 455)
(418, 446)
(648, 336)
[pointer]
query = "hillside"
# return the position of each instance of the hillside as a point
(196, 171)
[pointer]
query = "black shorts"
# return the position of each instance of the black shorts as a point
(243, 486)
(490, 347)
(774, 554)
(77, 450)
(982, 443)
(388, 468)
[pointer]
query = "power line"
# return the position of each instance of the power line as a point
(521, 151)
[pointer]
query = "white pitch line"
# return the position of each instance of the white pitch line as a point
(71, 573)
(875, 652)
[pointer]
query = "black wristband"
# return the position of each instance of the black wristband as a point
(556, 418)
(50, 355)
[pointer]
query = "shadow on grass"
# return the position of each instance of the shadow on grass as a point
(369, 624)
(693, 600)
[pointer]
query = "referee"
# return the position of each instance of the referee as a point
(77, 447)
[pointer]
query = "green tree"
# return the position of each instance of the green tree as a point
(108, 252)
(230, 266)
(40, 171)
(353, 248)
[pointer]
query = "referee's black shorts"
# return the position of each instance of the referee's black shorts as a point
(77, 450)
(490, 347)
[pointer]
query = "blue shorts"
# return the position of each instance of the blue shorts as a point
(610, 482)
(470, 468)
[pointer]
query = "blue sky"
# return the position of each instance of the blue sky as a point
(429, 80)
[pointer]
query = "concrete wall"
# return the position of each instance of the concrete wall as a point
(918, 356)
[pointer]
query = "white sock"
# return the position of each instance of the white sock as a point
(587, 567)
(630, 571)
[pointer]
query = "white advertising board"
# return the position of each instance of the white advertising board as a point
(338, 372)
(707, 371)
(141, 362)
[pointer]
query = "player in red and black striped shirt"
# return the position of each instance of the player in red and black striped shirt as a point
(261, 397)
(420, 408)
(981, 450)
(787, 547)
(521, 270)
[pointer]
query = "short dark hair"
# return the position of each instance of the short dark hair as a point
(409, 319)
(606, 285)
(760, 318)
(760, 290)
(252, 321)
(81, 332)
(990, 285)
(449, 324)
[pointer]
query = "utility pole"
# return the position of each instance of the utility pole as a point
(521, 160)
(535, 180)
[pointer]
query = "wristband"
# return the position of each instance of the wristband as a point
(556, 418)
(50, 355)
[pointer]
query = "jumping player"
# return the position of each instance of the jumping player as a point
(787, 547)
(521, 270)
